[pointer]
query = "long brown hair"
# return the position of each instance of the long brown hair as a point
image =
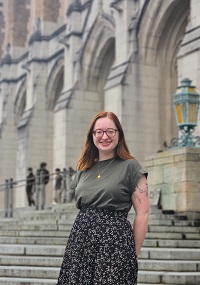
(90, 151)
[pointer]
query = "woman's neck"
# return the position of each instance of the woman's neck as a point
(103, 156)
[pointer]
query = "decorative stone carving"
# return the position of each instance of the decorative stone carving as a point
(25, 118)
(7, 59)
(74, 6)
(116, 5)
(37, 35)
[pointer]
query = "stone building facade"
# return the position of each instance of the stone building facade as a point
(63, 61)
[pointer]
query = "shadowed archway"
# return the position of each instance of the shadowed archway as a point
(160, 32)
(98, 57)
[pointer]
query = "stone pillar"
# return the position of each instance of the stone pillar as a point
(177, 173)
(189, 54)
(34, 143)
(2, 27)
(69, 112)
(7, 133)
(7, 122)
(115, 89)
(124, 13)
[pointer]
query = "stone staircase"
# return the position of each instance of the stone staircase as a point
(32, 245)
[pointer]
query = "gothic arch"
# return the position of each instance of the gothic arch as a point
(99, 53)
(54, 84)
(161, 20)
(160, 31)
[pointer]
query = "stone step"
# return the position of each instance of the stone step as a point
(169, 265)
(29, 272)
(170, 253)
(38, 227)
(17, 233)
(154, 225)
(45, 217)
(67, 227)
(174, 223)
(34, 240)
(59, 208)
(63, 240)
(70, 210)
(66, 224)
(65, 231)
(144, 264)
(34, 281)
(70, 214)
(25, 224)
(171, 243)
(58, 250)
(172, 236)
(173, 229)
(34, 216)
(159, 216)
(53, 216)
(152, 222)
(163, 277)
(38, 250)
(26, 281)
(43, 261)
(67, 207)
(159, 277)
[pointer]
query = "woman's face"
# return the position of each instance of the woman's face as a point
(105, 142)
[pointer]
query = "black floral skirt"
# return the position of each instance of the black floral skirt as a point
(100, 250)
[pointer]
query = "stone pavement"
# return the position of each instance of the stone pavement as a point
(32, 245)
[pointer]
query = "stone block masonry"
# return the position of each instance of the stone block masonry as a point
(19, 22)
(2, 27)
(177, 173)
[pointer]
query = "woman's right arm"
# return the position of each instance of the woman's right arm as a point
(140, 201)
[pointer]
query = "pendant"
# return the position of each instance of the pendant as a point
(99, 176)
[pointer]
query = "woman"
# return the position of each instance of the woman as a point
(103, 247)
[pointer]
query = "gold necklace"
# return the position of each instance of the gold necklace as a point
(99, 173)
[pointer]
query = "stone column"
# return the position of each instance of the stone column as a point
(176, 172)
(189, 54)
(122, 88)
(34, 143)
(7, 124)
(69, 112)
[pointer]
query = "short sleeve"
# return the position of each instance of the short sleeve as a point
(75, 180)
(136, 171)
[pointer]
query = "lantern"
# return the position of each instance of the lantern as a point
(186, 105)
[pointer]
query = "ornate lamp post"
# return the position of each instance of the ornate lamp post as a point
(186, 106)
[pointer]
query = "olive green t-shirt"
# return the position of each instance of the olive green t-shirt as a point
(113, 190)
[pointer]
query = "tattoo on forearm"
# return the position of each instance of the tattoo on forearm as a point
(141, 191)
(136, 197)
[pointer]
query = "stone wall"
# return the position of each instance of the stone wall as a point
(2, 27)
(176, 173)
(19, 15)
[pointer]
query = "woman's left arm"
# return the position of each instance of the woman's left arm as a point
(140, 201)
